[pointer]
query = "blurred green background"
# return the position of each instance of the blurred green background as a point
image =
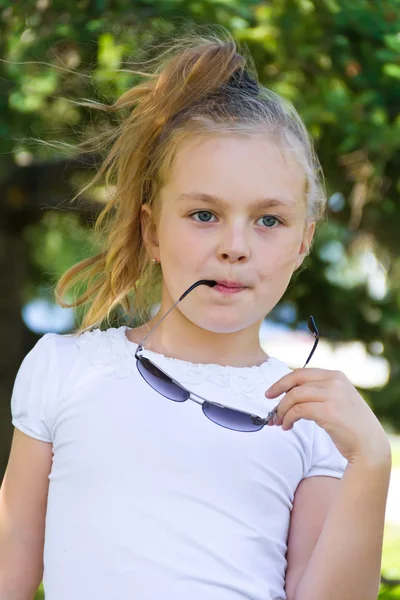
(337, 61)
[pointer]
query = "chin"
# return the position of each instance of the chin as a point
(221, 324)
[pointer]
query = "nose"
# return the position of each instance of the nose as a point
(234, 245)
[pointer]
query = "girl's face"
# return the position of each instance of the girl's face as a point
(233, 209)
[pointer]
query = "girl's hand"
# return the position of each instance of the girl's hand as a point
(330, 399)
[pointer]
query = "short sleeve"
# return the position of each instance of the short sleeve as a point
(326, 458)
(35, 387)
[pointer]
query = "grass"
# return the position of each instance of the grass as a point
(396, 455)
(391, 551)
(391, 542)
(389, 594)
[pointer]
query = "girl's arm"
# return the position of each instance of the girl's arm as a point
(23, 502)
(345, 563)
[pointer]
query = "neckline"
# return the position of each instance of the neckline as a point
(132, 346)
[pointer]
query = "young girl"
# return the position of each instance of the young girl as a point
(142, 465)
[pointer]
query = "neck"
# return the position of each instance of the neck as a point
(180, 338)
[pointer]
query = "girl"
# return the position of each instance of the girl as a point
(133, 492)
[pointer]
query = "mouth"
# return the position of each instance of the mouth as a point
(229, 287)
(231, 284)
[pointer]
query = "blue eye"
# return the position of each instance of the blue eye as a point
(267, 221)
(204, 216)
(203, 213)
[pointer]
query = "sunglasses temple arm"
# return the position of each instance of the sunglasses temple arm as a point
(207, 282)
(312, 352)
(159, 322)
(272, 413)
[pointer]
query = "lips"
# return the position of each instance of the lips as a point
(231, 284)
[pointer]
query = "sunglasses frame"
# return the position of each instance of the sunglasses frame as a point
(255, 419)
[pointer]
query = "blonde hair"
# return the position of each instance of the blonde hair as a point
(201, 85)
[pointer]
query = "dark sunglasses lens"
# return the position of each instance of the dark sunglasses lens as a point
(161, 382)
(229, 418)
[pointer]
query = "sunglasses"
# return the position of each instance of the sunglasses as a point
(164, 384)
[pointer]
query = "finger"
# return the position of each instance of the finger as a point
(288, 400)
(298, 395)
(300, 377)
(310, 411)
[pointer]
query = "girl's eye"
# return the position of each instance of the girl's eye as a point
(269, 221)
(203, 216)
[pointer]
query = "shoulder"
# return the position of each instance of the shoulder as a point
(105, 350)
(108, 350)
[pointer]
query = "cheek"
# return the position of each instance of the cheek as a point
(178, 250)
(280, 255)
(181, 244)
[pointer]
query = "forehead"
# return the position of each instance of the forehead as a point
(236, 167)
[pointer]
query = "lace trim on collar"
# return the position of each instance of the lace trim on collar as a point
(111, 352)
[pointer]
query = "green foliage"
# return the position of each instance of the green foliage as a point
(338, 62)
(389, 593)
(57, 242)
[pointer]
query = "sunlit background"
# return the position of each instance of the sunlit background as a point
(337, 61)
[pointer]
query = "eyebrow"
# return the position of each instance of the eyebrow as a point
(214, 200)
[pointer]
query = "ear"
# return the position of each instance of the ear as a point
(149, 231)
(309, 231)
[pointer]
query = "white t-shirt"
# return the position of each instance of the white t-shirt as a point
(148, 498)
